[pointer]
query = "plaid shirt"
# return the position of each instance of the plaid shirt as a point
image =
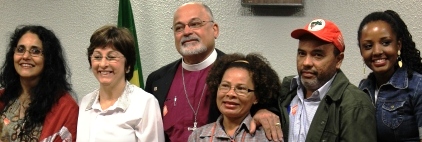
(205, 133)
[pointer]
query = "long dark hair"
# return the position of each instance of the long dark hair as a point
(53, 83)
(409, 53)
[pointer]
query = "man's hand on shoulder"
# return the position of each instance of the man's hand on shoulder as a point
(270, 122)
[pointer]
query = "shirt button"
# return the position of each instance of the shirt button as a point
(322, 122)
(323, 140)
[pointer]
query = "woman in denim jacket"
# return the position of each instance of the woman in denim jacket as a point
(395, 84)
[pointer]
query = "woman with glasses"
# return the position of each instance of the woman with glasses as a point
(117, 110)
(237, 84)
(35, 102)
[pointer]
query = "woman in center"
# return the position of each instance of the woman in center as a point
(117, 111)
(238, 84)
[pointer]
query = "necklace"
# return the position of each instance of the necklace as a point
(195, 113)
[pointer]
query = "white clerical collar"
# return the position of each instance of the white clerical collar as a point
(202, 65)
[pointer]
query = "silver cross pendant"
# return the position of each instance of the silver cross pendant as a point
(192, 128)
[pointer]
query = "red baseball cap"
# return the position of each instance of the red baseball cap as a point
(324, 30)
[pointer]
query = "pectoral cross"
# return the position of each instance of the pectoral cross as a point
(192, 128)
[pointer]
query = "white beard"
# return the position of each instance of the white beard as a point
(192, 48)
(186, 51)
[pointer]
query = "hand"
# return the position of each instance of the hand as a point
(268, 120)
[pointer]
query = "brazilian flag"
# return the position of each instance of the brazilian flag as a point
(126, 20)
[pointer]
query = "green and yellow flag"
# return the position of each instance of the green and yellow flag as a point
(126, 20)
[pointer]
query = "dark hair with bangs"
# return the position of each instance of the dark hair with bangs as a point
(121, 40)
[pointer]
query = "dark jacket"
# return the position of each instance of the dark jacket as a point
(162, 78)
(344, 114)
(398, 105)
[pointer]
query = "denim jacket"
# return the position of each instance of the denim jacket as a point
(398, 106)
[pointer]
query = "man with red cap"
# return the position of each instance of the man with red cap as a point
(320, 104)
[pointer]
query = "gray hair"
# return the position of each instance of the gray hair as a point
(207, 8)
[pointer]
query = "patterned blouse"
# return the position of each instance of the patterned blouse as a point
(11, 124)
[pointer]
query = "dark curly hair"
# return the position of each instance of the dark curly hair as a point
(265, 79)
(122, 41)
(53, 83)
(409, 53)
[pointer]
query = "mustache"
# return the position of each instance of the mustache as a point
(188, 38)
(308, 71)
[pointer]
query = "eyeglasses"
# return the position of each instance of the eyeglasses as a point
(109, 58)
(194, 24)
(34, 52)
(240, 91)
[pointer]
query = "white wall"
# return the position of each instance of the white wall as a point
(242, 29)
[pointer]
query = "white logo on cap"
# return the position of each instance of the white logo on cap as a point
(316, 25)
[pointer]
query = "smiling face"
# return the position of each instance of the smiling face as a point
(27, 66)
(316, 62)
(199, 41)
(109, 71)
(379, 47)
(230, 104)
